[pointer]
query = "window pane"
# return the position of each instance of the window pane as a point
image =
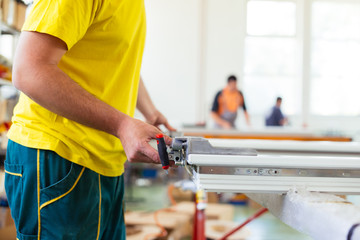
(261, 92)
(6, 45)
(272, 56)
(271, 18)
(335, 57)
(336, 20)
(335, 96)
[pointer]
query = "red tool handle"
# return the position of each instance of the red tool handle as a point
(164, 157)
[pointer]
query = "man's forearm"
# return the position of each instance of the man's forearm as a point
(50, 87)
(36, 73)
(247, 118)
(144, 103)
(148, 109)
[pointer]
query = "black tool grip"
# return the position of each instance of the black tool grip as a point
(164, 157)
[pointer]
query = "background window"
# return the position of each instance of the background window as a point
(270, 57)
(335, 58)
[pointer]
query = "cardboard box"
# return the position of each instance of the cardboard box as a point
(3, 105)
(215, 229)
(136, 232)
(180, 195)
(212, 197)
(168, 219)
(4, 10)
(8, 233)
(212, 211)
(7, 226)
(177, 224)
(19, 17)
(8, 8)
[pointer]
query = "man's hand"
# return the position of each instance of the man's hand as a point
(147, 108)
(157, 119)
(226, 125)
(135, 136)
(36, 73)
(218, 120)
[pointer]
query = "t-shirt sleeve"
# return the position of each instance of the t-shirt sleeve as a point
(215, 106)
(244, 105)
(67, 20)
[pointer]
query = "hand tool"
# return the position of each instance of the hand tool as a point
(162, 149)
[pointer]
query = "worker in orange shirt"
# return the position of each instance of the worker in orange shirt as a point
(226, 104)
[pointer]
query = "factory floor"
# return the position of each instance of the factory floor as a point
(267, 227)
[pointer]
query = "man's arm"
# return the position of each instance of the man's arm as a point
(282, 118)
(247, 118)
(36, 73)
(148, 109)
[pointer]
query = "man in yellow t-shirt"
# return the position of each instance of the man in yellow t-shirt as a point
(77, 65)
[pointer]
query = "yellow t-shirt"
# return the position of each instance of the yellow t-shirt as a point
(105, 40)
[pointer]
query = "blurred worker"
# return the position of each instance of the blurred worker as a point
(275, 117)
(226, 104)
(77, 65)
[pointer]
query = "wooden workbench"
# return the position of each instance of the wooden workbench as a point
(265, 133)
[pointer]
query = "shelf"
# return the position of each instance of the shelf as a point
(7, 29)
(5, 82)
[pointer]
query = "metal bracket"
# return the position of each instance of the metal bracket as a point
(182, 147)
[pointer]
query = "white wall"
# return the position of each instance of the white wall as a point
(171, 59)
(224, 52)
(192, 46)
(184, 64)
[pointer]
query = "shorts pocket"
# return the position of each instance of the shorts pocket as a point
(14, 188)
(26, 237)
(70, 208)
(60, 188)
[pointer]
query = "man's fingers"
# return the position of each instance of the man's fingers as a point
(169, 127)
(168, 140)
(151, 153)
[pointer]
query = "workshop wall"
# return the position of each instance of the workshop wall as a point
(171, 59)
(224, 52)
(191, 48)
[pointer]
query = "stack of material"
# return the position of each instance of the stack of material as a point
(7, 226)
(13, 13)
(141, 232)
(215, 229)
(178, 221)
(177, 224)
(213, 211)
(219, 219)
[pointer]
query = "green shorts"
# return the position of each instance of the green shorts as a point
(53, 198)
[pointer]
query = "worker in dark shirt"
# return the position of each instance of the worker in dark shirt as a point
(276, 118)
(226, 104)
